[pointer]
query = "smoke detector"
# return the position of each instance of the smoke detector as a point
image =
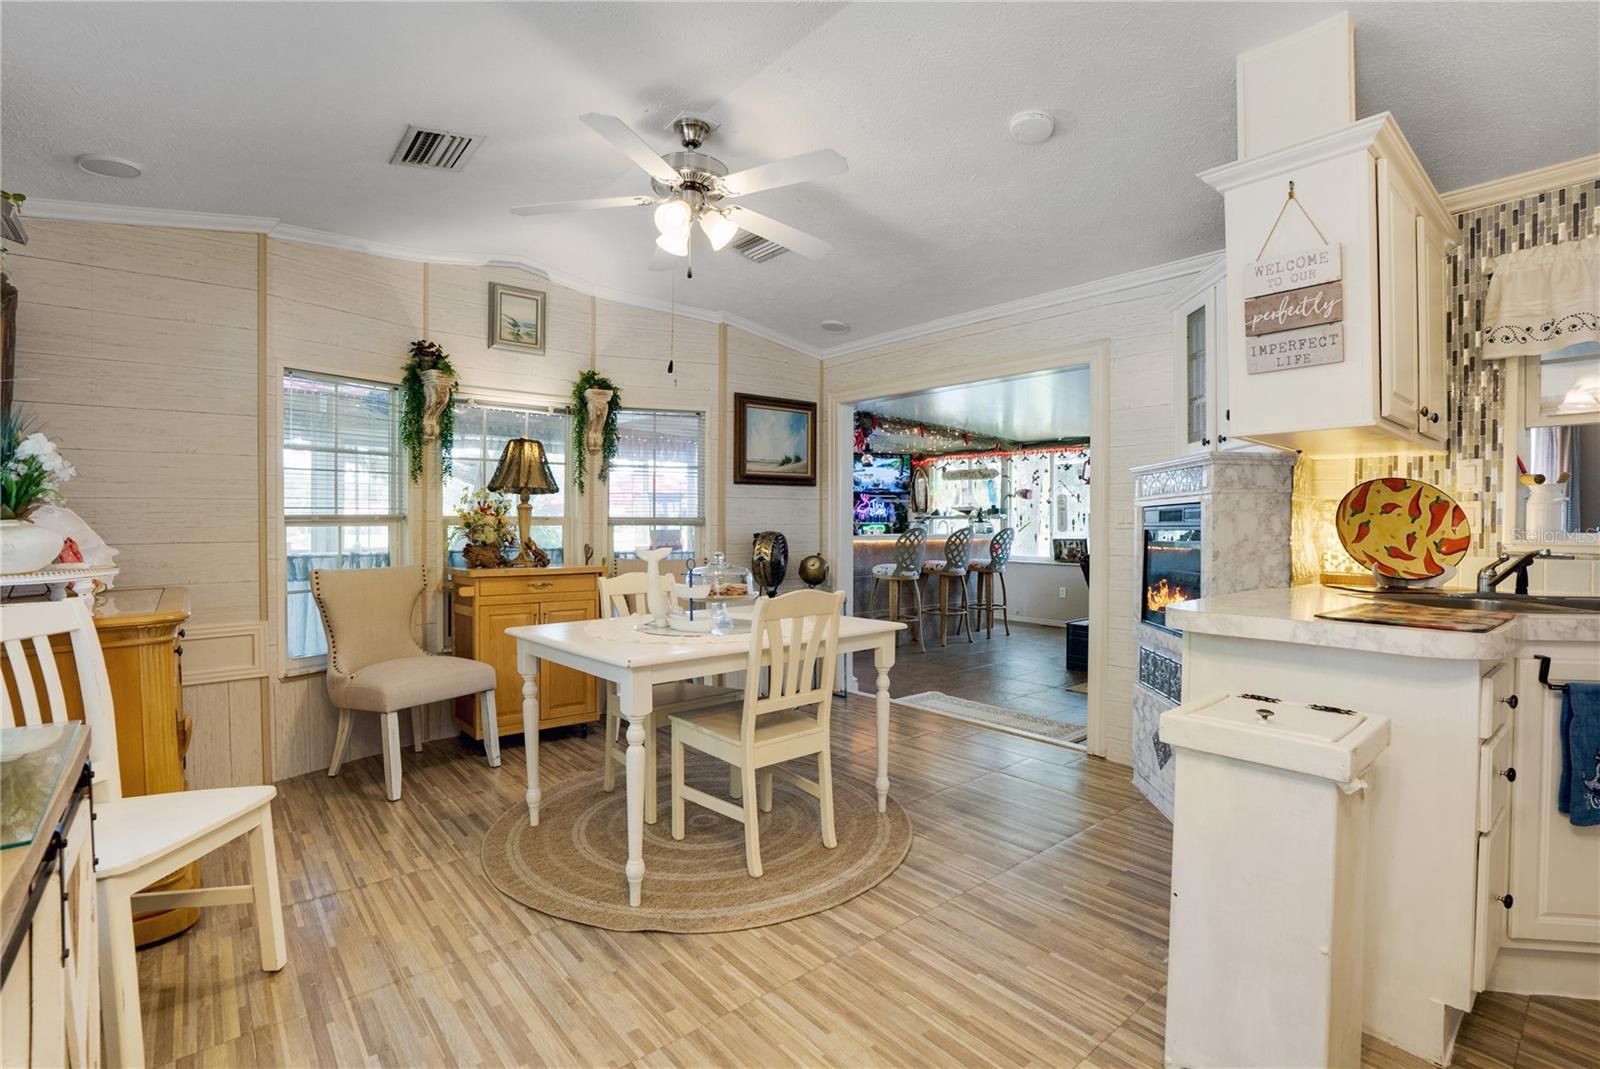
(1032, 127)
(835, 326)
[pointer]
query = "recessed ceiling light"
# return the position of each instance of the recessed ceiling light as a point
(1032, 127)
(109, 166)
(835, 326)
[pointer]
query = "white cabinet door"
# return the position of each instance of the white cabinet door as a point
(1195, 327)
(1555, 867)
(1433, 297)
(1398, 386)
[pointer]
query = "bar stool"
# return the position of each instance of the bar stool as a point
(906, 568)
(953, 569)
(986, 571)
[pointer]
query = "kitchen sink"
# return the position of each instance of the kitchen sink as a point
(1495, 602)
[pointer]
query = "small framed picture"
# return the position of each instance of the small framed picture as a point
(516, 318)
(774, 441)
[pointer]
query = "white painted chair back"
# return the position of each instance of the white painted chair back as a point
(30, 626)
(801, 672)
(624, 595)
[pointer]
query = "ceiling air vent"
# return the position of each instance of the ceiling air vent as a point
(438, 149)
(755, 248)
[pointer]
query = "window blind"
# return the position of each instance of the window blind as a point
(341, 448)
(482, 432)
(659, 472)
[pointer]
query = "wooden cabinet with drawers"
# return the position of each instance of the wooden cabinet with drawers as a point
(486, 601)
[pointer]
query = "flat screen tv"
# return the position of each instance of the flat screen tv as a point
(878, 473)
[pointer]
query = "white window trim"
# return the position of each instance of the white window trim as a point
(570, 534)
(299, 667)
(701, 524)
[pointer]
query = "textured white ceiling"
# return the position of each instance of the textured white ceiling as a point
(1024, 408)
(292, 110)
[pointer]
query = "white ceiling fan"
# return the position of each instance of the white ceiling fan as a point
(693, 189)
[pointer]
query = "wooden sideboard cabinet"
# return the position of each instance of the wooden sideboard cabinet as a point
(141, 633)
(486, 601)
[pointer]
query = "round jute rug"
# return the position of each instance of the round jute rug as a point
(570, 866)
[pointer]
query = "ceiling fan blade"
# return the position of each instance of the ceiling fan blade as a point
(631, 145)
(824, 163)
(782, 233)
(556, 207)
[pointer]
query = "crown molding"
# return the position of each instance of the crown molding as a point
(71, 211)
(1059, 300)
(82, 212)
(1527, 184)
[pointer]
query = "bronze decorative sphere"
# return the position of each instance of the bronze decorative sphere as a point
(813, 570)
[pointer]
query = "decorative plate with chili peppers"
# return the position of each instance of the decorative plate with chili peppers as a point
(1402, 528)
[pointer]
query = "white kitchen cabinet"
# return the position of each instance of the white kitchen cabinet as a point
(1200, 374)
(1555, 867)
(1362, 189)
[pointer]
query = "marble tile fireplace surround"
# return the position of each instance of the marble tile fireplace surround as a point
(1243, 500)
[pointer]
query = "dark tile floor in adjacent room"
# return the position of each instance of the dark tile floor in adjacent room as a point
(1026, 671)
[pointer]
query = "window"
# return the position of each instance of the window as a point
(481, 435)
(344, 490)
(1049, 499)
(657, 482)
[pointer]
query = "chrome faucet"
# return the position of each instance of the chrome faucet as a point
(1493, 574)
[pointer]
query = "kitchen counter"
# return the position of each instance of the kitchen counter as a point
(1290, 615)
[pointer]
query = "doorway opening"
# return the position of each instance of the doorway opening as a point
(969, 517)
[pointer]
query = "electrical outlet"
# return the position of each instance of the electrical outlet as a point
(1474, 514)
(1469, 476)
(1061, 592)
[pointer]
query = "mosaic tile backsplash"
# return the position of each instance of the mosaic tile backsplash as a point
(1475, 384)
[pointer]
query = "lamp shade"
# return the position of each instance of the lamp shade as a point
(523, 470)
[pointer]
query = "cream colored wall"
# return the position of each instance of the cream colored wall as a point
(758, 366)
(1135, 323)
(154, 357)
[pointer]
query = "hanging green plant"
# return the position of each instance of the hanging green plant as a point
(428, 394)
(581, 440)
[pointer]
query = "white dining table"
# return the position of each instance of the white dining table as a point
(616, 651)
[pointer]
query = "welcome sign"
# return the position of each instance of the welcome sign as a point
(1294, 311)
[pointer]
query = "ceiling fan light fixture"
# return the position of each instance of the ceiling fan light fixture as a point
(674, 218)
(676, 244)
(718, 228)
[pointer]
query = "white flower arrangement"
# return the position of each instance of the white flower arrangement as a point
(32, 470)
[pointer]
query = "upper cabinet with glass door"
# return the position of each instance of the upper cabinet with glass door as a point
(1364, 228)
(1201, 374)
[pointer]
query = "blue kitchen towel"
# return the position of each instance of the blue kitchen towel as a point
(1579, 796)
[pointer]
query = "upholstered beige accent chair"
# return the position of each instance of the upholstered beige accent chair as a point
(376, 666)
(625, 595)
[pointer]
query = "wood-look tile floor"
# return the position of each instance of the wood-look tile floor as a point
(1025, 671)
(1026, 928)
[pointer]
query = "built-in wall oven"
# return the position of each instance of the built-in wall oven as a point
(1171, 560)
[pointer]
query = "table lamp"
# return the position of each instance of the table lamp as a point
(524, 470)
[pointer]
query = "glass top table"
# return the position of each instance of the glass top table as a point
(32, 762)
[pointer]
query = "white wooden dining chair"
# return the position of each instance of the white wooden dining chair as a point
(375, 664)
(137, 840)
(625, 595)
(794, 637)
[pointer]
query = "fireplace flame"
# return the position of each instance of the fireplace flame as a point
(1159, 596)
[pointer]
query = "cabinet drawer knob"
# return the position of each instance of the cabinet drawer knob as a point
(539, 586)
(1511, 701)
(1205, 441)
(1434, 418)
(1423, 411)
(1504, 900)
(1510, 774)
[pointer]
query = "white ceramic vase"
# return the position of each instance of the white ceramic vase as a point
(655, 598)
(26, 547)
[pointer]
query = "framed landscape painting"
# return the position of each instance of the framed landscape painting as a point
(774, 441)
(516, 318)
